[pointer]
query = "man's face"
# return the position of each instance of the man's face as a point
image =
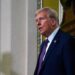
(44, 23)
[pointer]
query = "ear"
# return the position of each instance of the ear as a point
(53, 22)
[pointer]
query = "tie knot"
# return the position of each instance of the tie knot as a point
(46, 41)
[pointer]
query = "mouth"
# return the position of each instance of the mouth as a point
(40, 28)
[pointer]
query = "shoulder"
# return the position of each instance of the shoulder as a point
(68, 40)
(66, 36)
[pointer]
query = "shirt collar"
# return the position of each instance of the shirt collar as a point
(50, 38)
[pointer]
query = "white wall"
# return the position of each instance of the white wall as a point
(24, 36)
(32, 35)
(19, 34)
(0, 30)
(5, 25)
(0, 37)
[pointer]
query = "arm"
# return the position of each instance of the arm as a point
(69, 57)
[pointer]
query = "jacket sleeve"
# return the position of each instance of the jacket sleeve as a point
(69, 57)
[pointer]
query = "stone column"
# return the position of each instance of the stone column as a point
(24, 37)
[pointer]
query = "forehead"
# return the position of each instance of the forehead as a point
(41, 14)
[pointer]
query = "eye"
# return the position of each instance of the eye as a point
(42, 18)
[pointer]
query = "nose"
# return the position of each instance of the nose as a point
(38, 22)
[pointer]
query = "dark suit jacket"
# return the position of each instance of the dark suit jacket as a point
(60, 58)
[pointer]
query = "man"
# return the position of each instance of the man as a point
(59, 56)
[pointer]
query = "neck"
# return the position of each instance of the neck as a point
(48, 34)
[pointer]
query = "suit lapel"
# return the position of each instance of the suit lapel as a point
(52, 46)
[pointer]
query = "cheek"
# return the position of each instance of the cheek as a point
(46, 27)
(44, 23)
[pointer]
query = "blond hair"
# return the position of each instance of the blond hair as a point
(50, 12)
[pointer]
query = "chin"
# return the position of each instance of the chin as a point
(44, 34)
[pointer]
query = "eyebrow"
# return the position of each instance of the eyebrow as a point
(41, 18)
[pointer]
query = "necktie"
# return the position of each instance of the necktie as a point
(42, 55)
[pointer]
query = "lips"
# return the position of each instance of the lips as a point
(40, 28)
